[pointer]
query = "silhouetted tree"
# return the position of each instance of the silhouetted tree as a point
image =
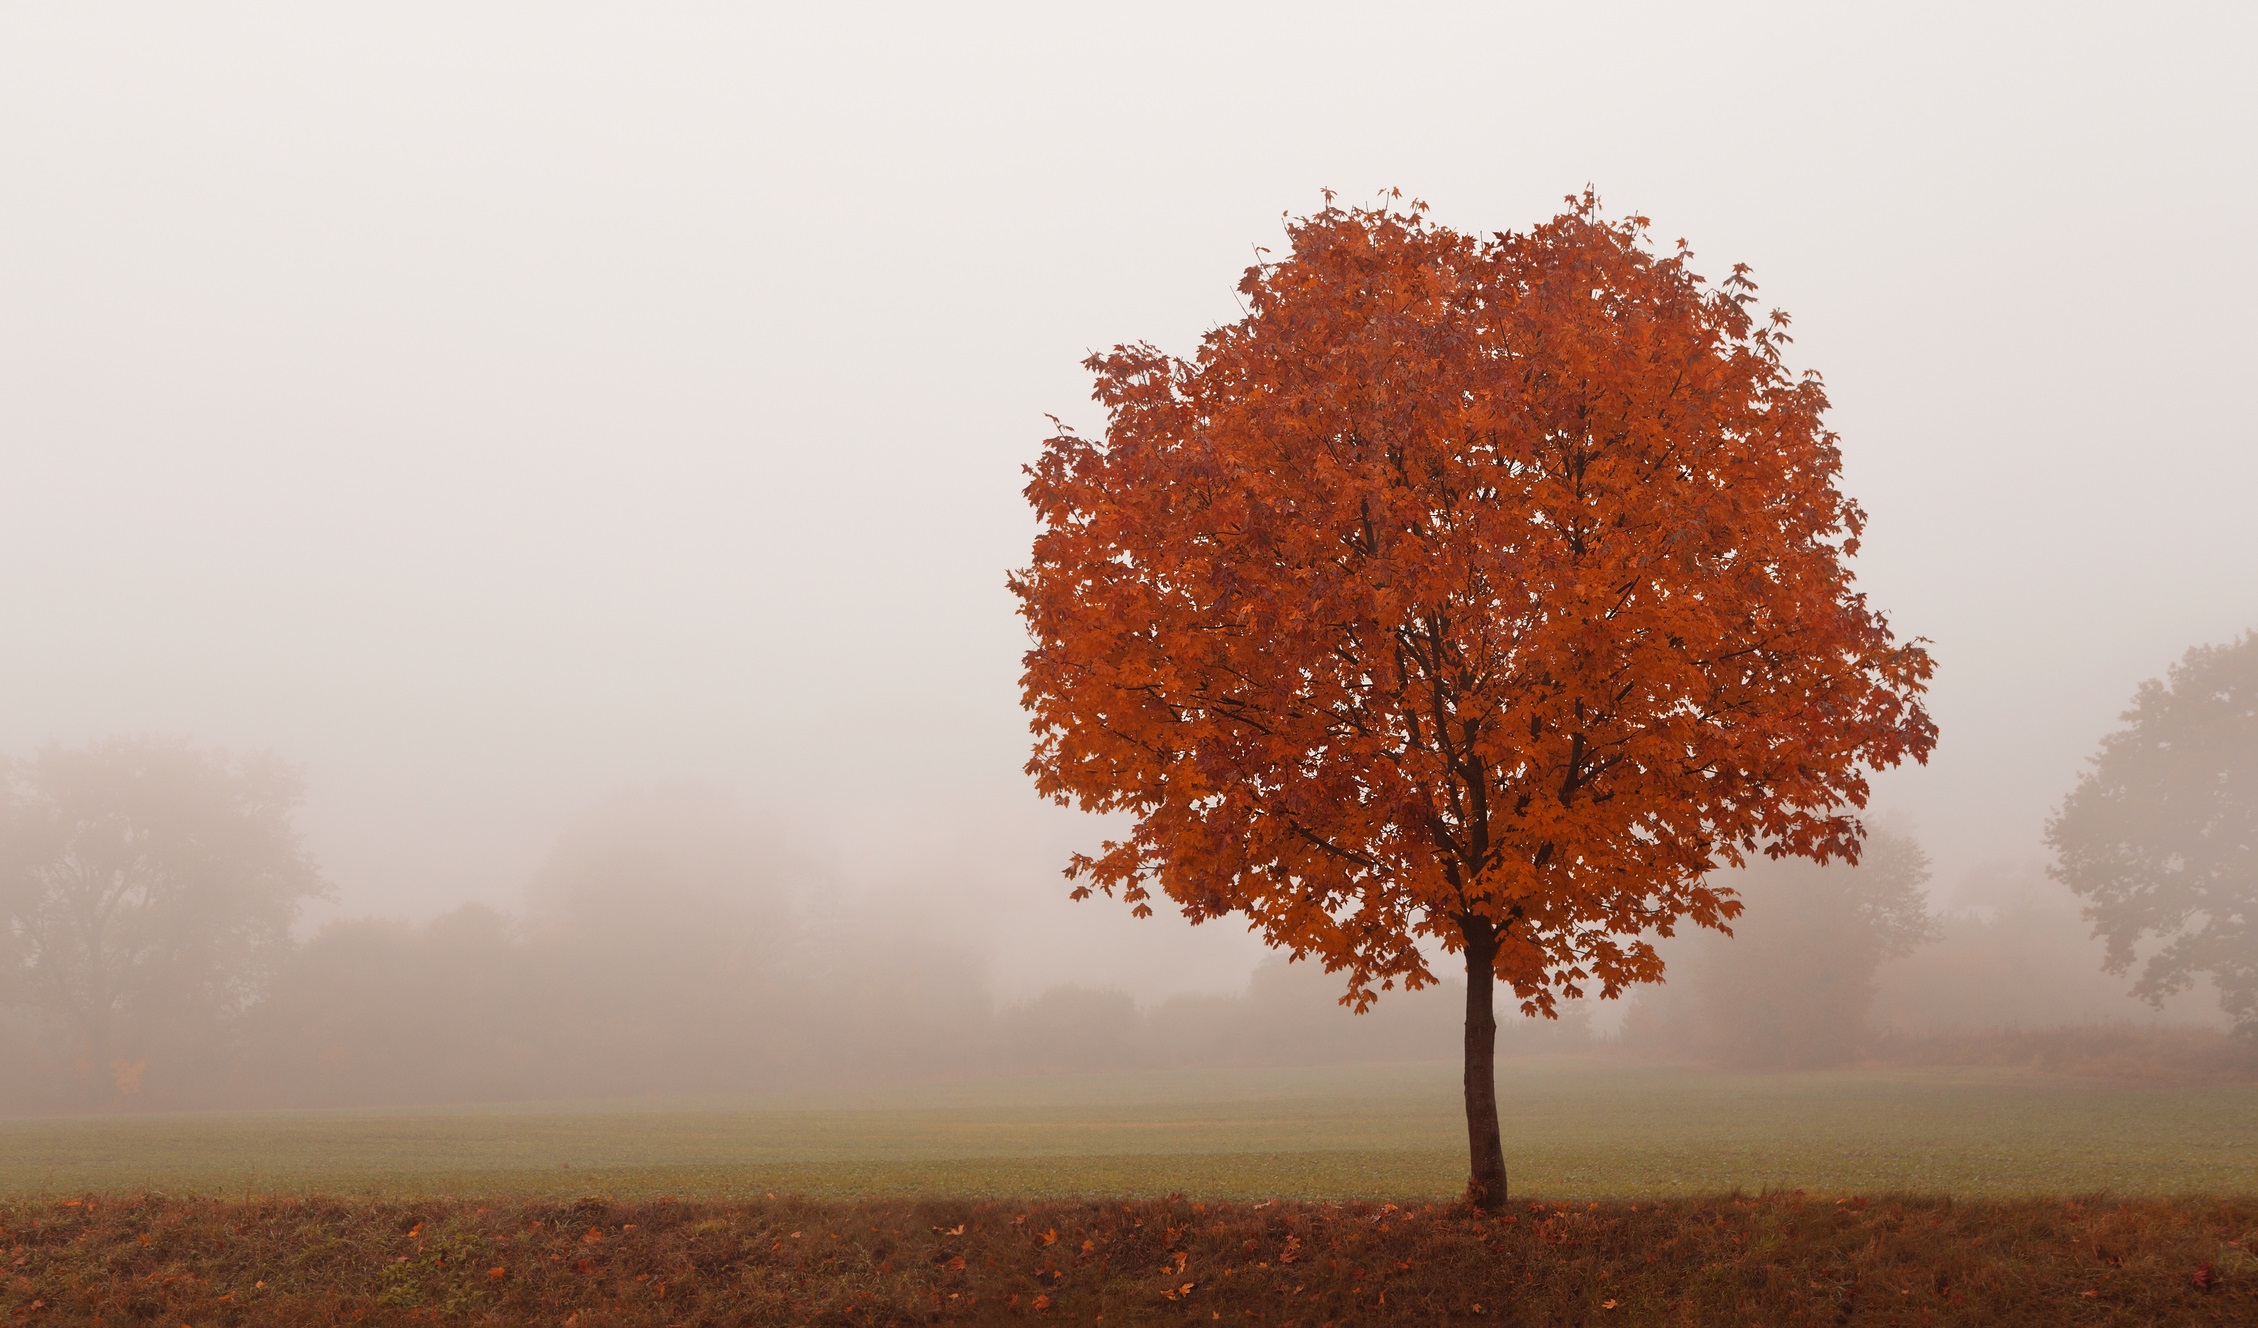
(1794, 986)
(370, 1012)
(1070, 1028)
(2014, 954)
(146, 885)
(2160, 836)
(661, 926)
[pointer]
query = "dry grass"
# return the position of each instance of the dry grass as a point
(1777, 1259)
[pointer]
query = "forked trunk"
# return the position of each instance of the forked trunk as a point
(1485, 1182)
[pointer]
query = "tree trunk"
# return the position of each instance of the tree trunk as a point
(1485, 1183)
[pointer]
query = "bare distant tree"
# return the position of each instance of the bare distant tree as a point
(145, 884)
(2161, 835)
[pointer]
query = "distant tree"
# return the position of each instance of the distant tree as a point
(1794, 987)
(2160, 836)
(1071, 1028)
(2012, 953)
(663, 923)
(1481, 594)
(368, 1012)
(145, 886)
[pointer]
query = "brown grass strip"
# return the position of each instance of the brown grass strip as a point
(594, 1263)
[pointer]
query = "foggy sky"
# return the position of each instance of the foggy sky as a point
(495, 406)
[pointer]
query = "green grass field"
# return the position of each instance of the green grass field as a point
(1574, 1129)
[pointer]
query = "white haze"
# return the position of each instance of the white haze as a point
(496, 406)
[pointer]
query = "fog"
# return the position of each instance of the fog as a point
(504, 410)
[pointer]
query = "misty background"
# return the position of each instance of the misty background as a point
(529, 419)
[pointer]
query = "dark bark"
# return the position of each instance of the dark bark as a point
(1485, 1182)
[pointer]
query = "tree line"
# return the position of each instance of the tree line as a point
(666, 946)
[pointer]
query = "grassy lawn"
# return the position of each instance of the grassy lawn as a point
(1574, 1129)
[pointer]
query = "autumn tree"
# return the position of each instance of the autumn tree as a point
(146, 884)
(2160, 836)
(1468, 595)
